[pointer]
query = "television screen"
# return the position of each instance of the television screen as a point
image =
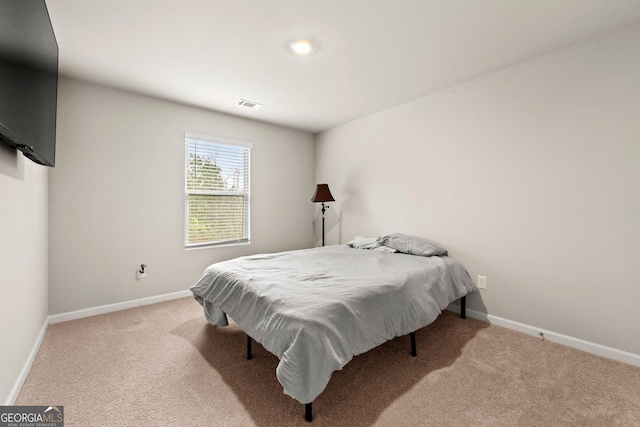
(28, 79)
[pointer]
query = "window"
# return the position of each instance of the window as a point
(216, 199)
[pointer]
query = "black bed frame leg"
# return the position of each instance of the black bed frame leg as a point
(463, 307)
(413, 344)
(249, 355)
(308, 413)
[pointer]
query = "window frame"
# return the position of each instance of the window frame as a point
(246, 193)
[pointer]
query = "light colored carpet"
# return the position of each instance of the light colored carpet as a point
(163, 365)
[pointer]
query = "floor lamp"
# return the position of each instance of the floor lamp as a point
(322, 195)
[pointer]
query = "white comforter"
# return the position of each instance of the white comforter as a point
(317, 308)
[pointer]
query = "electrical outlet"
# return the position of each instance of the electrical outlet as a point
(141, 273)
(482, 282)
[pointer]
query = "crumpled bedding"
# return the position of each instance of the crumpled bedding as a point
(315, 309)
(373, 243)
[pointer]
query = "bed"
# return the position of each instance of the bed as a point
(315, 309)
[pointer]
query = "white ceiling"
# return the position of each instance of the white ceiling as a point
(373, 54)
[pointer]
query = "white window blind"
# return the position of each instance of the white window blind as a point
(216, 191)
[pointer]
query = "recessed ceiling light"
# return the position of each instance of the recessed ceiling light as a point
(302, 46)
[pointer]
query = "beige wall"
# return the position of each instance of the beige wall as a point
(117, 195)
(529, 176)
(23, 261)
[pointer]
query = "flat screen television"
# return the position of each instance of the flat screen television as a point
(28, 79)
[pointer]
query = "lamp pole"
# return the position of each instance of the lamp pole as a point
(323, 209)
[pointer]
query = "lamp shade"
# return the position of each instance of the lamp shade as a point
(322, 194)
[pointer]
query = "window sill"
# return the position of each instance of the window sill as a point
(216, 245)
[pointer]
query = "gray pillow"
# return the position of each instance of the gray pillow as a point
(413, 245)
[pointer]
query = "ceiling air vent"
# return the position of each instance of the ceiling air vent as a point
(249, 104)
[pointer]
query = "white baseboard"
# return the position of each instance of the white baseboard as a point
(102, 309)
(17, 386)
(577, 343)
